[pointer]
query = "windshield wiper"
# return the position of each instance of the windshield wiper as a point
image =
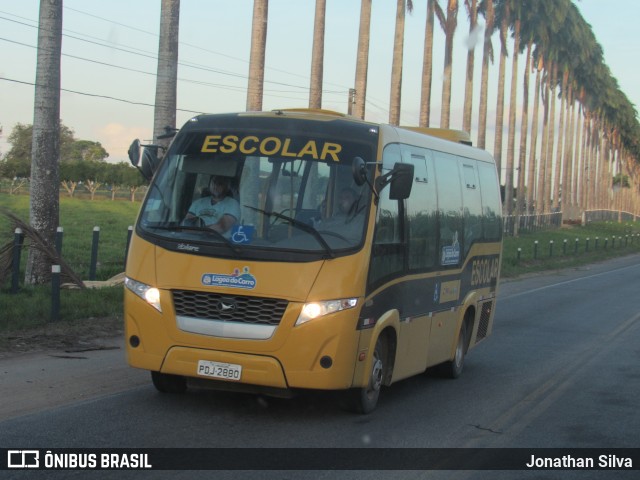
(195, 228)
(301, 225)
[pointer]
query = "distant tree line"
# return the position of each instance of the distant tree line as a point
(82, 163)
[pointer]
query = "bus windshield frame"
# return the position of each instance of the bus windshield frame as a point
(289, 182)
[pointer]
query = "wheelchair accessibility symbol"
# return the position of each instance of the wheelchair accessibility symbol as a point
(242, 233)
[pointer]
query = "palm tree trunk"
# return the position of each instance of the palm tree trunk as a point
(551, 137)
(167, 78)
(593, 162)
(317, 56)
(362, 59)
(583, 175)
(569, 139)
(531, 190)
(508, 186)
(396, 66)
(255, 87)
(577, 171)
(484, 78)
(450, 29)
(468, 86)
(557, 182)
(543, 194)
(497, 147)
(523, 135)
(427, 67)
(44, 205)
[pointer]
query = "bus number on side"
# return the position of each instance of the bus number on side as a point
(484, 270)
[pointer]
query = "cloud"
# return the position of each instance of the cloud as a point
(116, 138)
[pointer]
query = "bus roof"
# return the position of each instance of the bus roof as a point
(459, 136)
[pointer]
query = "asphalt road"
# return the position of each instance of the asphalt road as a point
(561, 369)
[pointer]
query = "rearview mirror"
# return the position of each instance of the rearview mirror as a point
(144, 158)
(359, 171)
(134, 153)
(401, 181)
(149, 161)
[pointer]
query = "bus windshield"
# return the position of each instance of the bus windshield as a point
(258, 195)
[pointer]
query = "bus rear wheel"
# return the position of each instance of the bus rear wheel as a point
(453, 368)
(365, 400)
(166, 383)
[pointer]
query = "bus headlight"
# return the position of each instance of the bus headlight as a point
(149, 294)
(320, 309)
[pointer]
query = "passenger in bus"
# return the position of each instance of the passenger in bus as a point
(219, 211)
(348, 215)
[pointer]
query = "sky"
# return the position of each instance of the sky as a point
(110, 58)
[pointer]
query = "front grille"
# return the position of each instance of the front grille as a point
(229, 308)
(485, 315)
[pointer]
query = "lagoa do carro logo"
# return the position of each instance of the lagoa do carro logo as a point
(235, 280)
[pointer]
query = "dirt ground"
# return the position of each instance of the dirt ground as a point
(69, 337)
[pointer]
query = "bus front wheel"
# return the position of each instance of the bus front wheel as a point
(166, 383)
(364, 400)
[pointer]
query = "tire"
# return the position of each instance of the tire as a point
(166, 383)
(364, 400)
(453, 368)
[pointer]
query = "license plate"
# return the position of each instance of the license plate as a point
(225, 371)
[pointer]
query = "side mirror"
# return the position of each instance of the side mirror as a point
(144, 158)
(359, 171)
(149, 161)
(134, 153)
(401, 181)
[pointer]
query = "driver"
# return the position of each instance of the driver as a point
(220, 211)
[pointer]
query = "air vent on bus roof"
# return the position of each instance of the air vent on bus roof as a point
(318, 111)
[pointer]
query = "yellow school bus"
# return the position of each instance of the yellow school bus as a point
(351, 256)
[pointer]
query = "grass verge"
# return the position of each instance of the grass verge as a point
(100, 310)
(569, 246)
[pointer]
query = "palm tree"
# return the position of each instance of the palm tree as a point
(551, 95)
(427, 66)
(448, 24)
(522, 158)
(486, 8)
(502, 17)
(396, 67)
(577, 172)
(44, 205)
(543, 22)
(558, 166)
(256, 59)
(515, 13)
(362, 59)
(536, 27)
(542, 169)
(317, 56)
(472, 10)
(531, 191)
(167, 78)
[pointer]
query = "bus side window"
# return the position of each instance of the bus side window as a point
(491, 202)
(472, 205)
(387, 255)
(450, 213)
(422, 211)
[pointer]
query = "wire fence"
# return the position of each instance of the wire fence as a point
(515, 224)
(608, 216)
